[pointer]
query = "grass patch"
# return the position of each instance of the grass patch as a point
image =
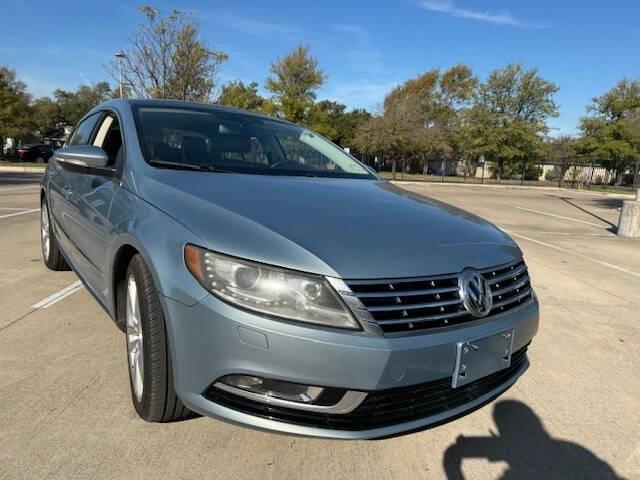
(416, 177)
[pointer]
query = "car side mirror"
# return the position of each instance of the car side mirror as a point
(88, 156)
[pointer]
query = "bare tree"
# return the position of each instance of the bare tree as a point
(169, 59)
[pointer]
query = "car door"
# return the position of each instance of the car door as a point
(94, 190)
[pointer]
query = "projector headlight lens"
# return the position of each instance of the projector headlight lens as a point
(269, 290)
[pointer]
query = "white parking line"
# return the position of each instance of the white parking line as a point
(560, 216)
(18, 188)
(14, 209)
(56, 297)
(575, 234)
(19, 213)
(570, 252)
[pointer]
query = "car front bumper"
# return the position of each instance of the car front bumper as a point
(212, 339)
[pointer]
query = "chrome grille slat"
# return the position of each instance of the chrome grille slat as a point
(420, 303)
(505, 276)
(426, 318)
(513, 299)
(384, 281)
(413, 306)
(512, 286)
(405, 293)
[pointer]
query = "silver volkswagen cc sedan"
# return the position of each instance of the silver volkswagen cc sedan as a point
(265, 277)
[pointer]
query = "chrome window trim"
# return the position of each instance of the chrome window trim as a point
(348, 403)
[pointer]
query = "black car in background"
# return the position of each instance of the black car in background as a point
(37, 152)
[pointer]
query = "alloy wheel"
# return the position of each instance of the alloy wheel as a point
(44, 231)
(135, 344)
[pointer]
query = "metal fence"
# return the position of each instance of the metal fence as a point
(574, 172)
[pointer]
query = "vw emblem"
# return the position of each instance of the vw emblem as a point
(475, 292)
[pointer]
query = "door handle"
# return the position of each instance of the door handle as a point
(66, 191)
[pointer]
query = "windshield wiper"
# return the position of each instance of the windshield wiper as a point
(187, 166)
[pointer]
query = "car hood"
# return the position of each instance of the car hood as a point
(342, 227)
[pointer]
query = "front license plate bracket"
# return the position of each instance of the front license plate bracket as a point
(479, 357)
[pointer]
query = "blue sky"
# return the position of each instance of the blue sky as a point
(365, 47)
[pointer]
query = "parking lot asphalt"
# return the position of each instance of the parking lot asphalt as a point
(65, 409)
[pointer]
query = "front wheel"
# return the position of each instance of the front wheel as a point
(51, 254)
(150, 374)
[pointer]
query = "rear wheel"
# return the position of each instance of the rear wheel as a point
(51, 254)
(39, 160)
(150, 374)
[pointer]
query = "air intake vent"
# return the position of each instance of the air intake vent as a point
(383, 408)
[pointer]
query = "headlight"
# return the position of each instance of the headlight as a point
(269, 290)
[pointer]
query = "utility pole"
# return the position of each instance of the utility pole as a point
(120, 55)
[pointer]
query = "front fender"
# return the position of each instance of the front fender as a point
(160, 240)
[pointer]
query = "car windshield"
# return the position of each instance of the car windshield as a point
(239, 143)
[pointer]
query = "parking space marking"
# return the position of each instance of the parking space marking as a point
(560, 216)
(56, 297)
(18, 188)
(570, 252)
(14, 209)
(575, 234)
(19, 213)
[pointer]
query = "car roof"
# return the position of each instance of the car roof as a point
(181, 103)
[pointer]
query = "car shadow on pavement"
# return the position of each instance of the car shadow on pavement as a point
(527, 448)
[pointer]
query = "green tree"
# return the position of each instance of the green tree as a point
(15, 111)
(237, 94)
(562, 151)
(294, 80)
(560, 148)
(47, 115)
(434, 98)
(633, 121)
(386, 136)
(420, 116)
(74, 105)
(68, 107)
(507, 121)
(352, 122)
(333, 121)
(611, 130)
(169, 59)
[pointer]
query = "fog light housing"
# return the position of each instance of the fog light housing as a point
(278, 393)
(292, 392)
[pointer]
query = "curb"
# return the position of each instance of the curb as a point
(515, 187)
(16, 168)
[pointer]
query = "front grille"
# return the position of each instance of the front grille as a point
(400, 305)
(381, 408)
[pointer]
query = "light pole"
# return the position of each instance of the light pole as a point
(120, 55)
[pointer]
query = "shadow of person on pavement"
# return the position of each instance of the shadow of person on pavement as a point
(530, 452)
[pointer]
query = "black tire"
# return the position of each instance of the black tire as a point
(158, 400)
(39, 160)
(53, 258)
